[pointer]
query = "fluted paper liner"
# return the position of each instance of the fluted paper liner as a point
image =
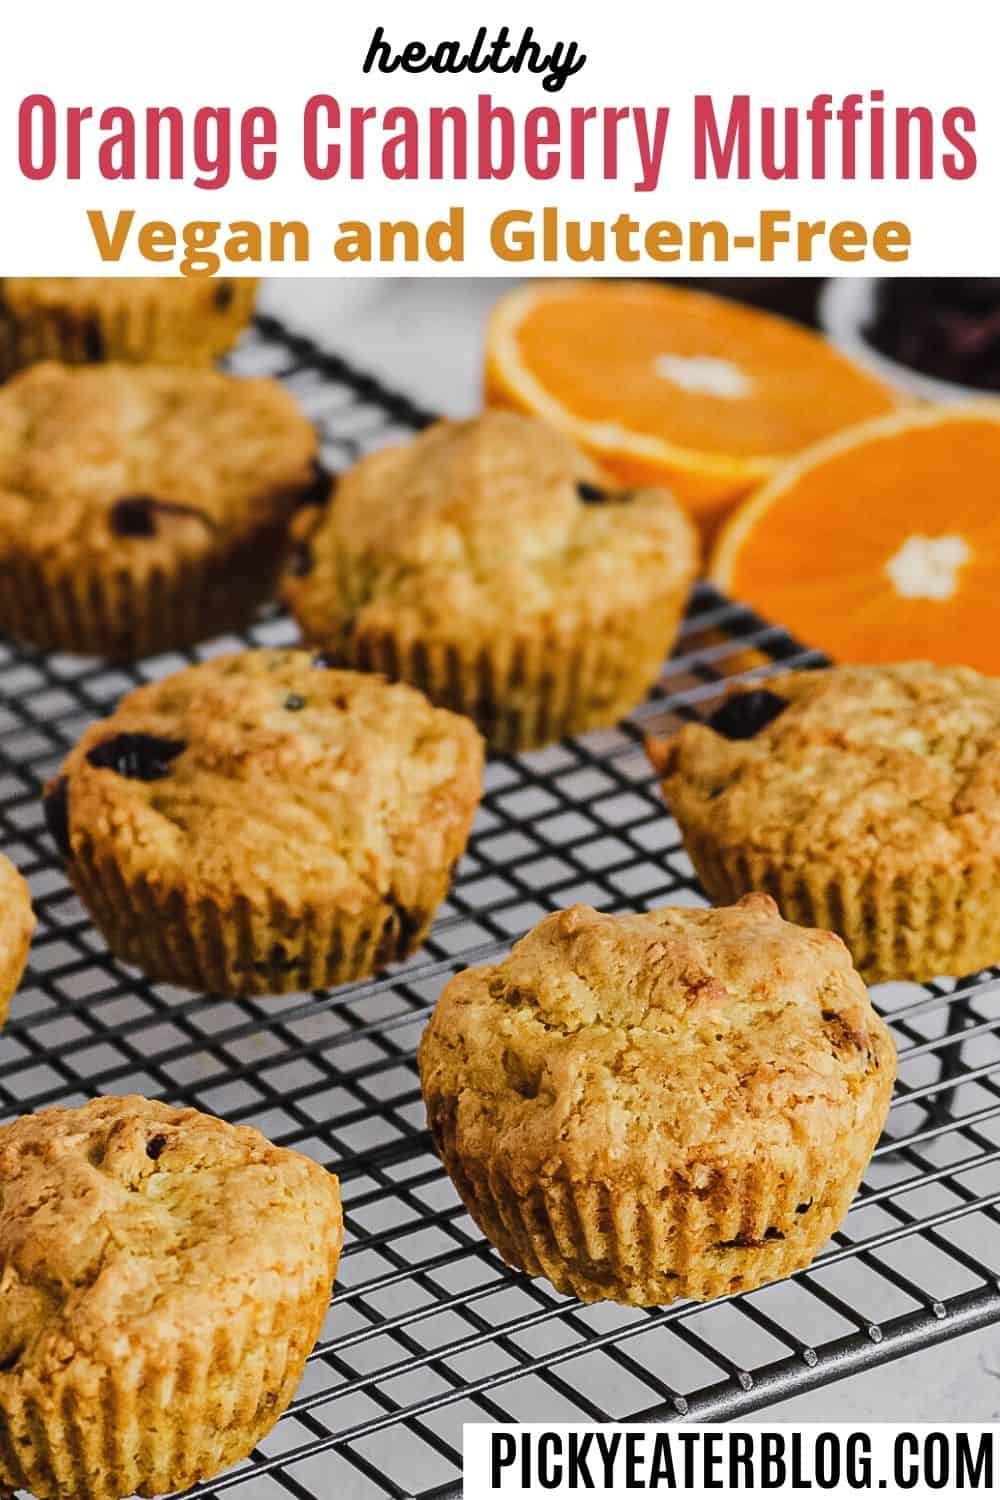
(150, 1424)
(914, 927)
(244, 948)
(531, 688)
(123, 614)
(645, 1246)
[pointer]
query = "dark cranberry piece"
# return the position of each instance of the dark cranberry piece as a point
(93, 340)
(300, 560)
(592, 494)
(140, 757)
(155, 1147)
(319, 489)
(223, 296)
(743, 715)
(135, 515)
(55, 805)
(294, 702)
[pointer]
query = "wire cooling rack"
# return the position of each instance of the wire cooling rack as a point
(428, 1328)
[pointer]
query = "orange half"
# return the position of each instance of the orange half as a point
(882, 543)
(669, 386)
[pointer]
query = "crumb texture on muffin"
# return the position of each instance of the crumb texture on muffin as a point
(88, 319)
(679, 1103)
(17, 923)
(491, 563)
(264, 819)
(164, 1277)
(868, 802)
(75, 444)
(141, 507)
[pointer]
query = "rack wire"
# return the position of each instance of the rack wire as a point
(428, 1329)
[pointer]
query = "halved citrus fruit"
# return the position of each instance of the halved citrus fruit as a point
(882, 543)
(670, 386)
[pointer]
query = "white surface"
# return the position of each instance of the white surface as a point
(424, 338)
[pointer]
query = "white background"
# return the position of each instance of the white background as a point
(262, 52)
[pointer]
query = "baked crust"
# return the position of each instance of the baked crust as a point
(491, 563)
(679, 1103)
(870, 804)
(137, 319)
(164, 1277)
(297, 826)
(141, 508)
(17, 923)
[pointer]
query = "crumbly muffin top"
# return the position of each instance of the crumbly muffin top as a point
(633, 1047)
(17, 920)
(879, 765)
(267, 774)
(477, 524)
(128, 1227)
(21, 293)
(127, 463)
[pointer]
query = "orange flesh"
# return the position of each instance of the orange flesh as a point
(816, 559)
(595, 353)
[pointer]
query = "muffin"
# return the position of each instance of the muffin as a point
(136, 319)
(491, 564)
(143, 509)
(264, 823)
(675, 1104)
(863, 799)
(17, 923)
(165, 1276)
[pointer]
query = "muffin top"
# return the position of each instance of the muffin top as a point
(129, 1228)
(632, 1048)
(21, 293)
(127, 465)
(882, 766)
(475, 525)
(17, 920)
(268, 775)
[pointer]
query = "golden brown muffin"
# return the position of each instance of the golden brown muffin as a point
(491, 564)
(135, 319)
(676, 1104)
(164, 1276)
(143, 508)
(264, 823)
(864, 799)
(17, 923)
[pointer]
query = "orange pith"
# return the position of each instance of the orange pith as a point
(816, 548)
(671, 386)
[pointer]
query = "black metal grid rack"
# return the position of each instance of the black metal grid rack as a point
(428, 1329)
